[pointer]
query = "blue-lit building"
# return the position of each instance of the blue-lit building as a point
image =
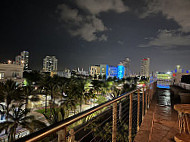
(109, 71)
(120, 71)
(112, 72)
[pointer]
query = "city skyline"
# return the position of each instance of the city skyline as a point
(108, 32)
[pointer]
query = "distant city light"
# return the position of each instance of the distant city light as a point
(9, 61)
(169, 72)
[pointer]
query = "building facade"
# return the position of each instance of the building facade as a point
(50, 64)
(103, 69)
(145, 67)
(112, 72)
(120, 71)
(23, 58)
(18, 60)
(126, 63)
(108, 71)
(95, 70)
(11, 71)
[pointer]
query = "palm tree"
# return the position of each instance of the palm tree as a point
(97, 85)
(19, 118)
(1, 88)
(29, 94)
(80, 91)
(58, 114)
(68, 102)
(10, 91)
(49, 86)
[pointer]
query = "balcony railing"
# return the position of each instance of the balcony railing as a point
(118, 119)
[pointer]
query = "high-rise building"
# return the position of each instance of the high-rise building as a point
(25, 59)
(18, 60)
(145, 65)
(126, 63)
(50, 64)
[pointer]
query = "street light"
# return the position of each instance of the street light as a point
(9, 61)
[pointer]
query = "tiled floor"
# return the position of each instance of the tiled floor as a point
(160, 123)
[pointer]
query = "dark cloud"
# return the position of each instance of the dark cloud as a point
(178, 10)
(120, 42)
(168, 39)
(88, 25)
(97, 6)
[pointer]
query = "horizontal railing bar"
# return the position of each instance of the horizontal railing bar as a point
(68, 121)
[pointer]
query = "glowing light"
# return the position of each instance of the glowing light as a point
(9, 61)
(168, 72)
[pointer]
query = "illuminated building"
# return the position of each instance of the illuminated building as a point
(145, 65)
(50, 64)
(109, 71)
(23, 58)
(126, 64)
(112, 72)
(120, 71)
(11, 71)
(103, 69)
(163, 75)
(18, 60)
(178, 69)
(66, 73)
(95, 70)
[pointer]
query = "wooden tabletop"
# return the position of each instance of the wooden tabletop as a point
(184, 108)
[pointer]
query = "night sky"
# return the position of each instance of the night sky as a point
(85, 32)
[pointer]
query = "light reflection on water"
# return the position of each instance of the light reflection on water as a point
(164, 98)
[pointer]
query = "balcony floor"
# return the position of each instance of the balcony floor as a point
(160, 122)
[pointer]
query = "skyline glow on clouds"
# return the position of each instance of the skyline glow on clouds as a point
(89, 26)
(177, 10)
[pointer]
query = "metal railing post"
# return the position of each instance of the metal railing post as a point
(138, 109)
(143, 111)
(146, 100)
(72, 136)
(130, 117)
(151, 92)
(148, 97)
(62, 135)
(114, 125)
